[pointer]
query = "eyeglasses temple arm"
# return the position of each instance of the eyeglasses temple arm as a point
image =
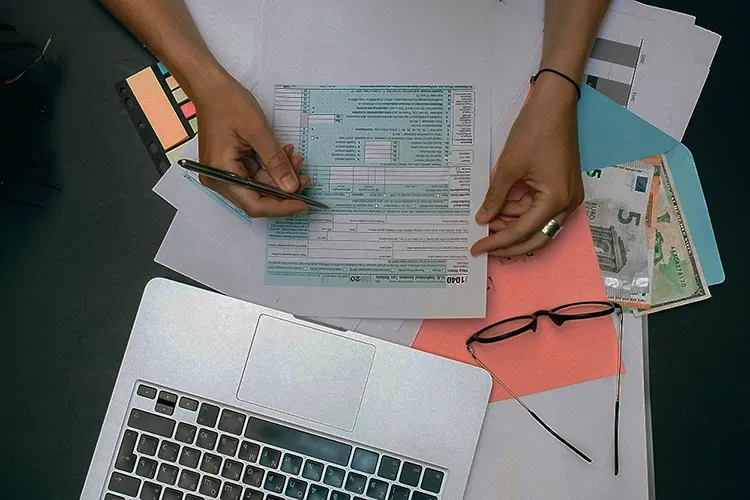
(617, 395)
(529, 410)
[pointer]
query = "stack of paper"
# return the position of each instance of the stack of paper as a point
(396, 243)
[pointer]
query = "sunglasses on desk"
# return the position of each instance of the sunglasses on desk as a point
(512, 327)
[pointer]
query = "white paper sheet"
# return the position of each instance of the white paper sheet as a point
(231, 29)
(661, 86)
(517, 459)
(220, 265)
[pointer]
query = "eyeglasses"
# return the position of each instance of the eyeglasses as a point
(512, 327)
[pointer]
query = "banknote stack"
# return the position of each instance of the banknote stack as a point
(642, 239)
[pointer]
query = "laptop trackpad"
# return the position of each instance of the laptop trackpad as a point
(309, 373)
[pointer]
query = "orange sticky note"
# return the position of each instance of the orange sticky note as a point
(565, 271)
(157, 108)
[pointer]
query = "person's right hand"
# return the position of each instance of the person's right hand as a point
(232, 126)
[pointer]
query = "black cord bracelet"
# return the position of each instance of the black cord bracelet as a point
(563, 75)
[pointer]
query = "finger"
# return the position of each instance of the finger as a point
(500, 224)
(253, 203)
(276, 161)
(251, 166)
(516, 208)
(271, 207)
(297, 162)
(531, 222)
(536, 242)
(501, 184)
(265, 178)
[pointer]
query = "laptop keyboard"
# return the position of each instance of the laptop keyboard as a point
(176, 446)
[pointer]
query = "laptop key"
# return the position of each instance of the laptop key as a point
(127, 485)
(364, 461)
(377, 489)
(274, 482)
(270, 458)
(296, 488)
(146, 468)
(334, 477)
(147, 445)
(389, 467)
(192, 497)
(150, 491)
(170, 494)
(146, 391)
(432, 480)
(208, 415)
(410, 474)
(231, 491)
(355, 483)
(125, 457)
(251, 494)
(206, 439)
(150, 422)
(231, 470)
(188, 480)
(188, 404)
(169, 451)
(418, 495)
(291, 464)
(211, 463)
(317, 493)
(167, 474)
(248, 451)
(228, 445)
(253, 476)
(190, 457)
(338, 495)
(210, 486)
(313, 470)
(398, 493)
(110, 496)
(185, 433)
(232, 422)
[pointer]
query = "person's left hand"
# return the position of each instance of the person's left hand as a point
(542, 152)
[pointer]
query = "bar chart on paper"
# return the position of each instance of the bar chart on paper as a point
(612, 66)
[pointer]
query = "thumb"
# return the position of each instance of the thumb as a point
(496, 195)
(276, 161)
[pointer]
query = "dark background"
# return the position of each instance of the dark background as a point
(72, 274)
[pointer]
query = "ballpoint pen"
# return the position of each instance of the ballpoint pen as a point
(259, 187)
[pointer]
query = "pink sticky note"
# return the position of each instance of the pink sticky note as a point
(565, 271)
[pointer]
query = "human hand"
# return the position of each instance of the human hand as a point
(232, 126)
(542, 152)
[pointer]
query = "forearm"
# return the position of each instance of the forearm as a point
(167, 30)
(570, 27)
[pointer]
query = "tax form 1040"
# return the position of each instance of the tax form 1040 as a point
(403, 170)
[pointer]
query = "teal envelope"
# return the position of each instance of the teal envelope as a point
(609, 134)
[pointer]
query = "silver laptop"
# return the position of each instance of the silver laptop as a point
(219, 398)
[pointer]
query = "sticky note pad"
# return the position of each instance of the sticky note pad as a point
(194, 124)
(188, 109)
(172, 83)
(155, 105)
(179, 95)
(162, 68)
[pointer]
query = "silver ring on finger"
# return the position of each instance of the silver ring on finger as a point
(551, 229)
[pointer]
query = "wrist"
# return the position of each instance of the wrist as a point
(207, 78)
(554, 92)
